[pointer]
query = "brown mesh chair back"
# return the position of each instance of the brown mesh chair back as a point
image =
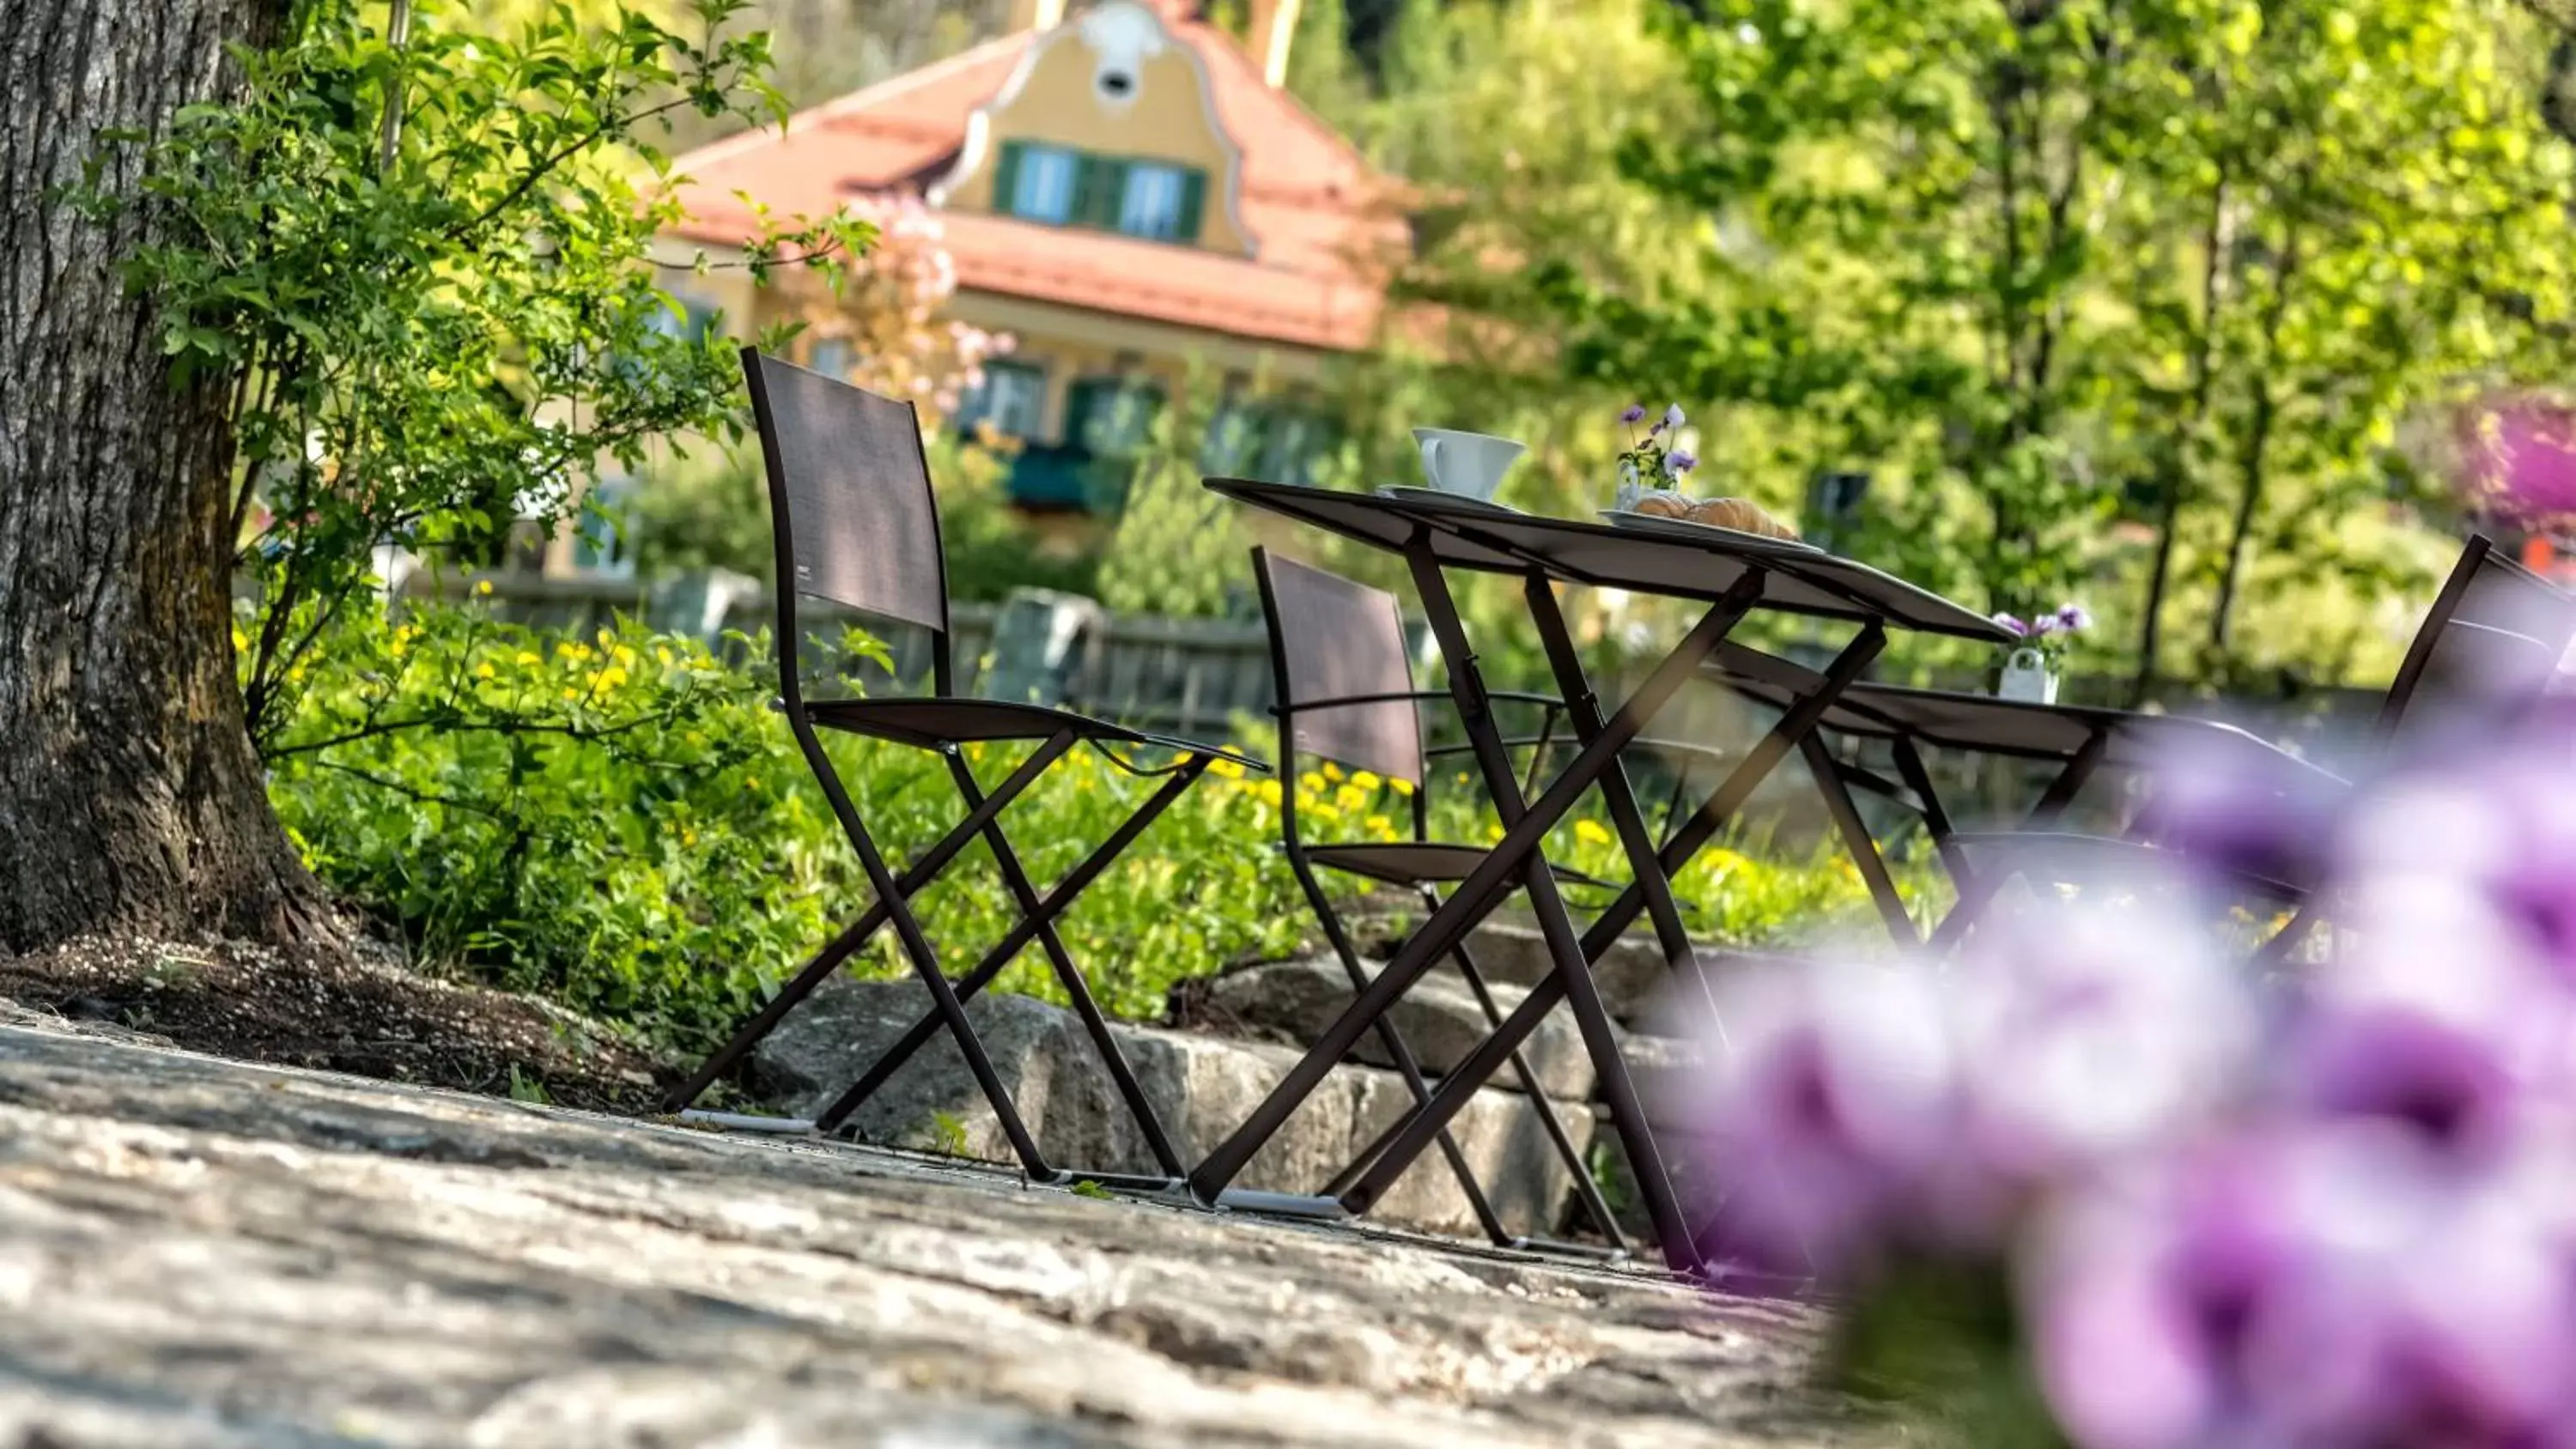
(850, 495)
(2487, 650)
(1334, 639)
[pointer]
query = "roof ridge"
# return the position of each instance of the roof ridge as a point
(861, 99)
(1296, 109)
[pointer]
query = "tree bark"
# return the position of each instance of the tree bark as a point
(129, 795)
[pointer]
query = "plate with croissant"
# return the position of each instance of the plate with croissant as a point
(1733, 519)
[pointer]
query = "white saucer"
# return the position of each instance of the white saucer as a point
(1434, 495)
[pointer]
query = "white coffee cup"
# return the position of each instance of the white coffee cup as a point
(1470, 465)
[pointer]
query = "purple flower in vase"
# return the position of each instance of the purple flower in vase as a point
(1673, 417)
(2011, 625)
(1636, 413)
(1680, 461)
(2071, 617)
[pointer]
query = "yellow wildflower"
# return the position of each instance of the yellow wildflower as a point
(664, 656)
(1380, 825)
(1350, 797)
(483, 670)
(240, 640)
(1402, 787)
(571, 693)
(611, 677)
(1225, 769)
(1324, 812)
(1332, 771)
(1269, 792)
(569, 650)
(1591, 833)
(1493, 831)
(1310, 783)
(688, 837)
(751, 782)
(526, 659)
(625, 656)
(483, 587)
(1722, 861)
(1363, 780)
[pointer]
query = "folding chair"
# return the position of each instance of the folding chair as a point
(857, 525)
(2481, 660)
(1345, 691)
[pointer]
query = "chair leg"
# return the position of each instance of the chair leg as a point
(819, 969)
(1586, 1190)
(1015, 878)
(1054, 904)
(1397, 1051)
(916, 947)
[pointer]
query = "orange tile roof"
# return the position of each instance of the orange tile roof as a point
(1323, 224)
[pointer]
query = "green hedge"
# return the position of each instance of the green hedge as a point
(621, 822)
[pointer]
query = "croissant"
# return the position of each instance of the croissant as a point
(1742, 515)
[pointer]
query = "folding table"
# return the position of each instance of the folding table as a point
(2080, 740)
(1733, 575)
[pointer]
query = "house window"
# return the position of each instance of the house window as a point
(1012, 398)
(1111, 417)
(600, 545)
(1151, 207)
(832, 357)
(1037, 182)
(1061, 187)
(1294, 446)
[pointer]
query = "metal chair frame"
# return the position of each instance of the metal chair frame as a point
(778, 389)
(1303, 863)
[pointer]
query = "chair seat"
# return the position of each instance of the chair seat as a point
(2068, 857)
(931, 723)
(1414, 862)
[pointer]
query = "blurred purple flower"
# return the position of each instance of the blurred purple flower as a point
(2297, 1285)
(1636, 413)
(2071, 617)
(2089, 1031)
(2043, 625)
(2439, 1018)
(2234, 811)
(2012, 626)
(2532, 463)
(1680, 461)
(1673, 417)
(1832, 1089)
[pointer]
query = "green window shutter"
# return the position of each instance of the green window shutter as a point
(1081, 401)
(1103, 193)
(1006, 177)
(1193, 204)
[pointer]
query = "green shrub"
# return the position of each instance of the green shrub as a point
(620, 822)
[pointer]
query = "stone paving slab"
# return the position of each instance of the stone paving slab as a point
(198, 1252)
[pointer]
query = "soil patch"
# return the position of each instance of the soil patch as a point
(364, 1013)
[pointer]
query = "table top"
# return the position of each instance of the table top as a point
(1796, 579)
(1984, 724)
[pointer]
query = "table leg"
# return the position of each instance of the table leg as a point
(1474, 897)
(1468, 1076)
(2052, 804)
(1857, 839)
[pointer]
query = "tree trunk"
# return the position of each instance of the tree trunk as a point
(2240, 533)
(129, 796)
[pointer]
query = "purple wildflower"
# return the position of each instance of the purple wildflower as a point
(1636, 413)
(2071, 617)
(1680, 461)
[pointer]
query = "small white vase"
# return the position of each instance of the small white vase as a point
(2027, 677)
(1632, 490)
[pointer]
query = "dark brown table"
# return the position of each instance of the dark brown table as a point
(1734, 575)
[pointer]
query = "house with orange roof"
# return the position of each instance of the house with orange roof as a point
(1129, 194)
